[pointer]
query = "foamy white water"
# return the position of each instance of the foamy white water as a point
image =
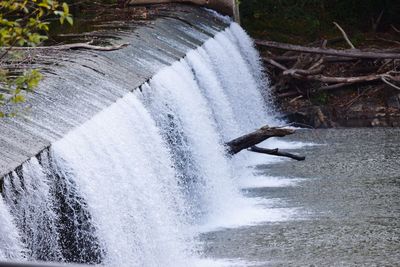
(127, 178)
(137, 183)
(11, 246)
(263, 181)
(282, 144)
(29, 199)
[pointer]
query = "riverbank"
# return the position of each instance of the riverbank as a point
(369, 25)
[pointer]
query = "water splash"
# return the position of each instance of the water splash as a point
(126, 177)
(27, 193)
(11, 246)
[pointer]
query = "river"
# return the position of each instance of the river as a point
(342, 204)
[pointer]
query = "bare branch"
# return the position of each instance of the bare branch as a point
(395, 29)
(353, 53)
(344, 35)
(375, 24)
(332, 86)
(329, 79)
(308, 72)
(274, 63)
(276, 152)
(383, 78)
(388, 40)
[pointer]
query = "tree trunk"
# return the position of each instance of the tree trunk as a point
(256, 137)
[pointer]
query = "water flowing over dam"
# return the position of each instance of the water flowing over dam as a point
(132, 167)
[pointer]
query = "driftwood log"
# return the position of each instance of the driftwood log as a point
(352, 53)
(308, 70)
(249, 142)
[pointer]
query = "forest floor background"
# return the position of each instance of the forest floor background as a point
(370, 25)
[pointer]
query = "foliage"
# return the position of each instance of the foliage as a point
(306, 20)
(23, 23)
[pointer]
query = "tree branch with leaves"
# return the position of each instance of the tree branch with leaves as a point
(23, 23)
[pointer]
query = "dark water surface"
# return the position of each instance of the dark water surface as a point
(348, 204)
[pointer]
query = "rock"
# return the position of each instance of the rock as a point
(379, 123)
(380, 115)
(375, 122)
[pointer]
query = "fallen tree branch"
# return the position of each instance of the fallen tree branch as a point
(344, 35)
(329, 79)
(295, 99)
(342, 80)
(306, 73)
(395, 29)
(280, 58)
(388, 40)
(289, 94)
(256, 137)
(326, 59)
(332, 86)
(320, 89)
(389, 83)
(375, 23)
(352, 53)
(275, 152)
(274, 63)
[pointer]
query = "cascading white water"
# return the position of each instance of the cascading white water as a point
(127, 178)
(142, 178)
(30, 201)
(11, 246)
(239, 79)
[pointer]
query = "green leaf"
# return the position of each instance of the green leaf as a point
(65, 8)
(70, 20)
(25, 22)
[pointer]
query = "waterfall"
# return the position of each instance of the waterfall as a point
(11, 246)
(137, 183)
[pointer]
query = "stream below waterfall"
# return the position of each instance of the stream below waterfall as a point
(346, 198)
